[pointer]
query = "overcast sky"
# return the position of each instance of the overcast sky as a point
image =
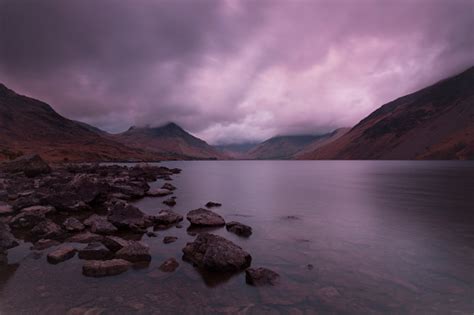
(230, 71)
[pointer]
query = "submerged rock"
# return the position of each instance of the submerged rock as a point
(159, 192)
(134, 252)
(215, 253)
(261, 277)
(169, 265)
(61, 254)
(99, 268)
(170, 202)
(203, 217)
(212, 204)
(168, 186)
(169, 239)
(239, 228)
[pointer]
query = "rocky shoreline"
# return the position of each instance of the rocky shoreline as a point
(86, 209)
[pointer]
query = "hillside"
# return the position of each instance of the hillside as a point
(436, 122)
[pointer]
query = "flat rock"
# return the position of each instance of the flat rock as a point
(169, 239)
(215, 253)
(261, 277)
(159, 192)
(6, 209)
(204, 217)
(134, 252)
(85, 237)
(103, 268)
(95, 251)
(169, 265)
(100, 225)
(61, 254)
(114, 243)
(168, 186)
(239, 228)
(212, 204)
(73, 225)
(44, 244)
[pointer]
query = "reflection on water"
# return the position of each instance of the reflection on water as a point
(346, 237)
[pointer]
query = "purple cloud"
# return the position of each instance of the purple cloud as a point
(230, 70)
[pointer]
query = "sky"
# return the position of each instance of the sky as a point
(230, 71)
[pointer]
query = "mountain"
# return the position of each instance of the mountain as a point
(169, 139)
(436, 122)
(322, 141)
(236, 150)
(281, 147)
(31, 126)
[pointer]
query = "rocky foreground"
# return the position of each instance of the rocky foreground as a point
(85, 210)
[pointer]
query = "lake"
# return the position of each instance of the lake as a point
(346, 237)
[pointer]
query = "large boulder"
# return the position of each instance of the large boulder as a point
(99, 268)
(124, 215)
(114, 243)
(215, 253)
(204, 217)
(47, 229)
(7, 240)
(88, 188)
(73, 225)
(31, 165)
(261, 277)
(239, 228)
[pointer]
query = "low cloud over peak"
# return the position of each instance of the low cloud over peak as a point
(230, 71)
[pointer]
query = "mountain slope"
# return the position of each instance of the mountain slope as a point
(434, 123)
(168, 139)
(31, 126)
(281, 147)
(236, 150)
(320, 142)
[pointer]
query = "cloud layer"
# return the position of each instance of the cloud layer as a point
(228, 70)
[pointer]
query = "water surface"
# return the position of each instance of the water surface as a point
(346, 237)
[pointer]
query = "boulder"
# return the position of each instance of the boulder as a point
(95, 251)
(47, 229)
(7, 240)
(61, 254)
(30, 217)
(100, 225)
(31, 165)
(169, 239)
(130, 191)
(134, 252)
(88, 188)
(124, 215)
(169, 265)
(170, 202)
(159, 192)
(261, 277)
(212, 204)
(168, 186)
(239, 228)
(73, 225)
(215, 253)
(99, 268)
(114, 243)
(203, 217)
(167, 217)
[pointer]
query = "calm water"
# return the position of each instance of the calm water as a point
(381, 237)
